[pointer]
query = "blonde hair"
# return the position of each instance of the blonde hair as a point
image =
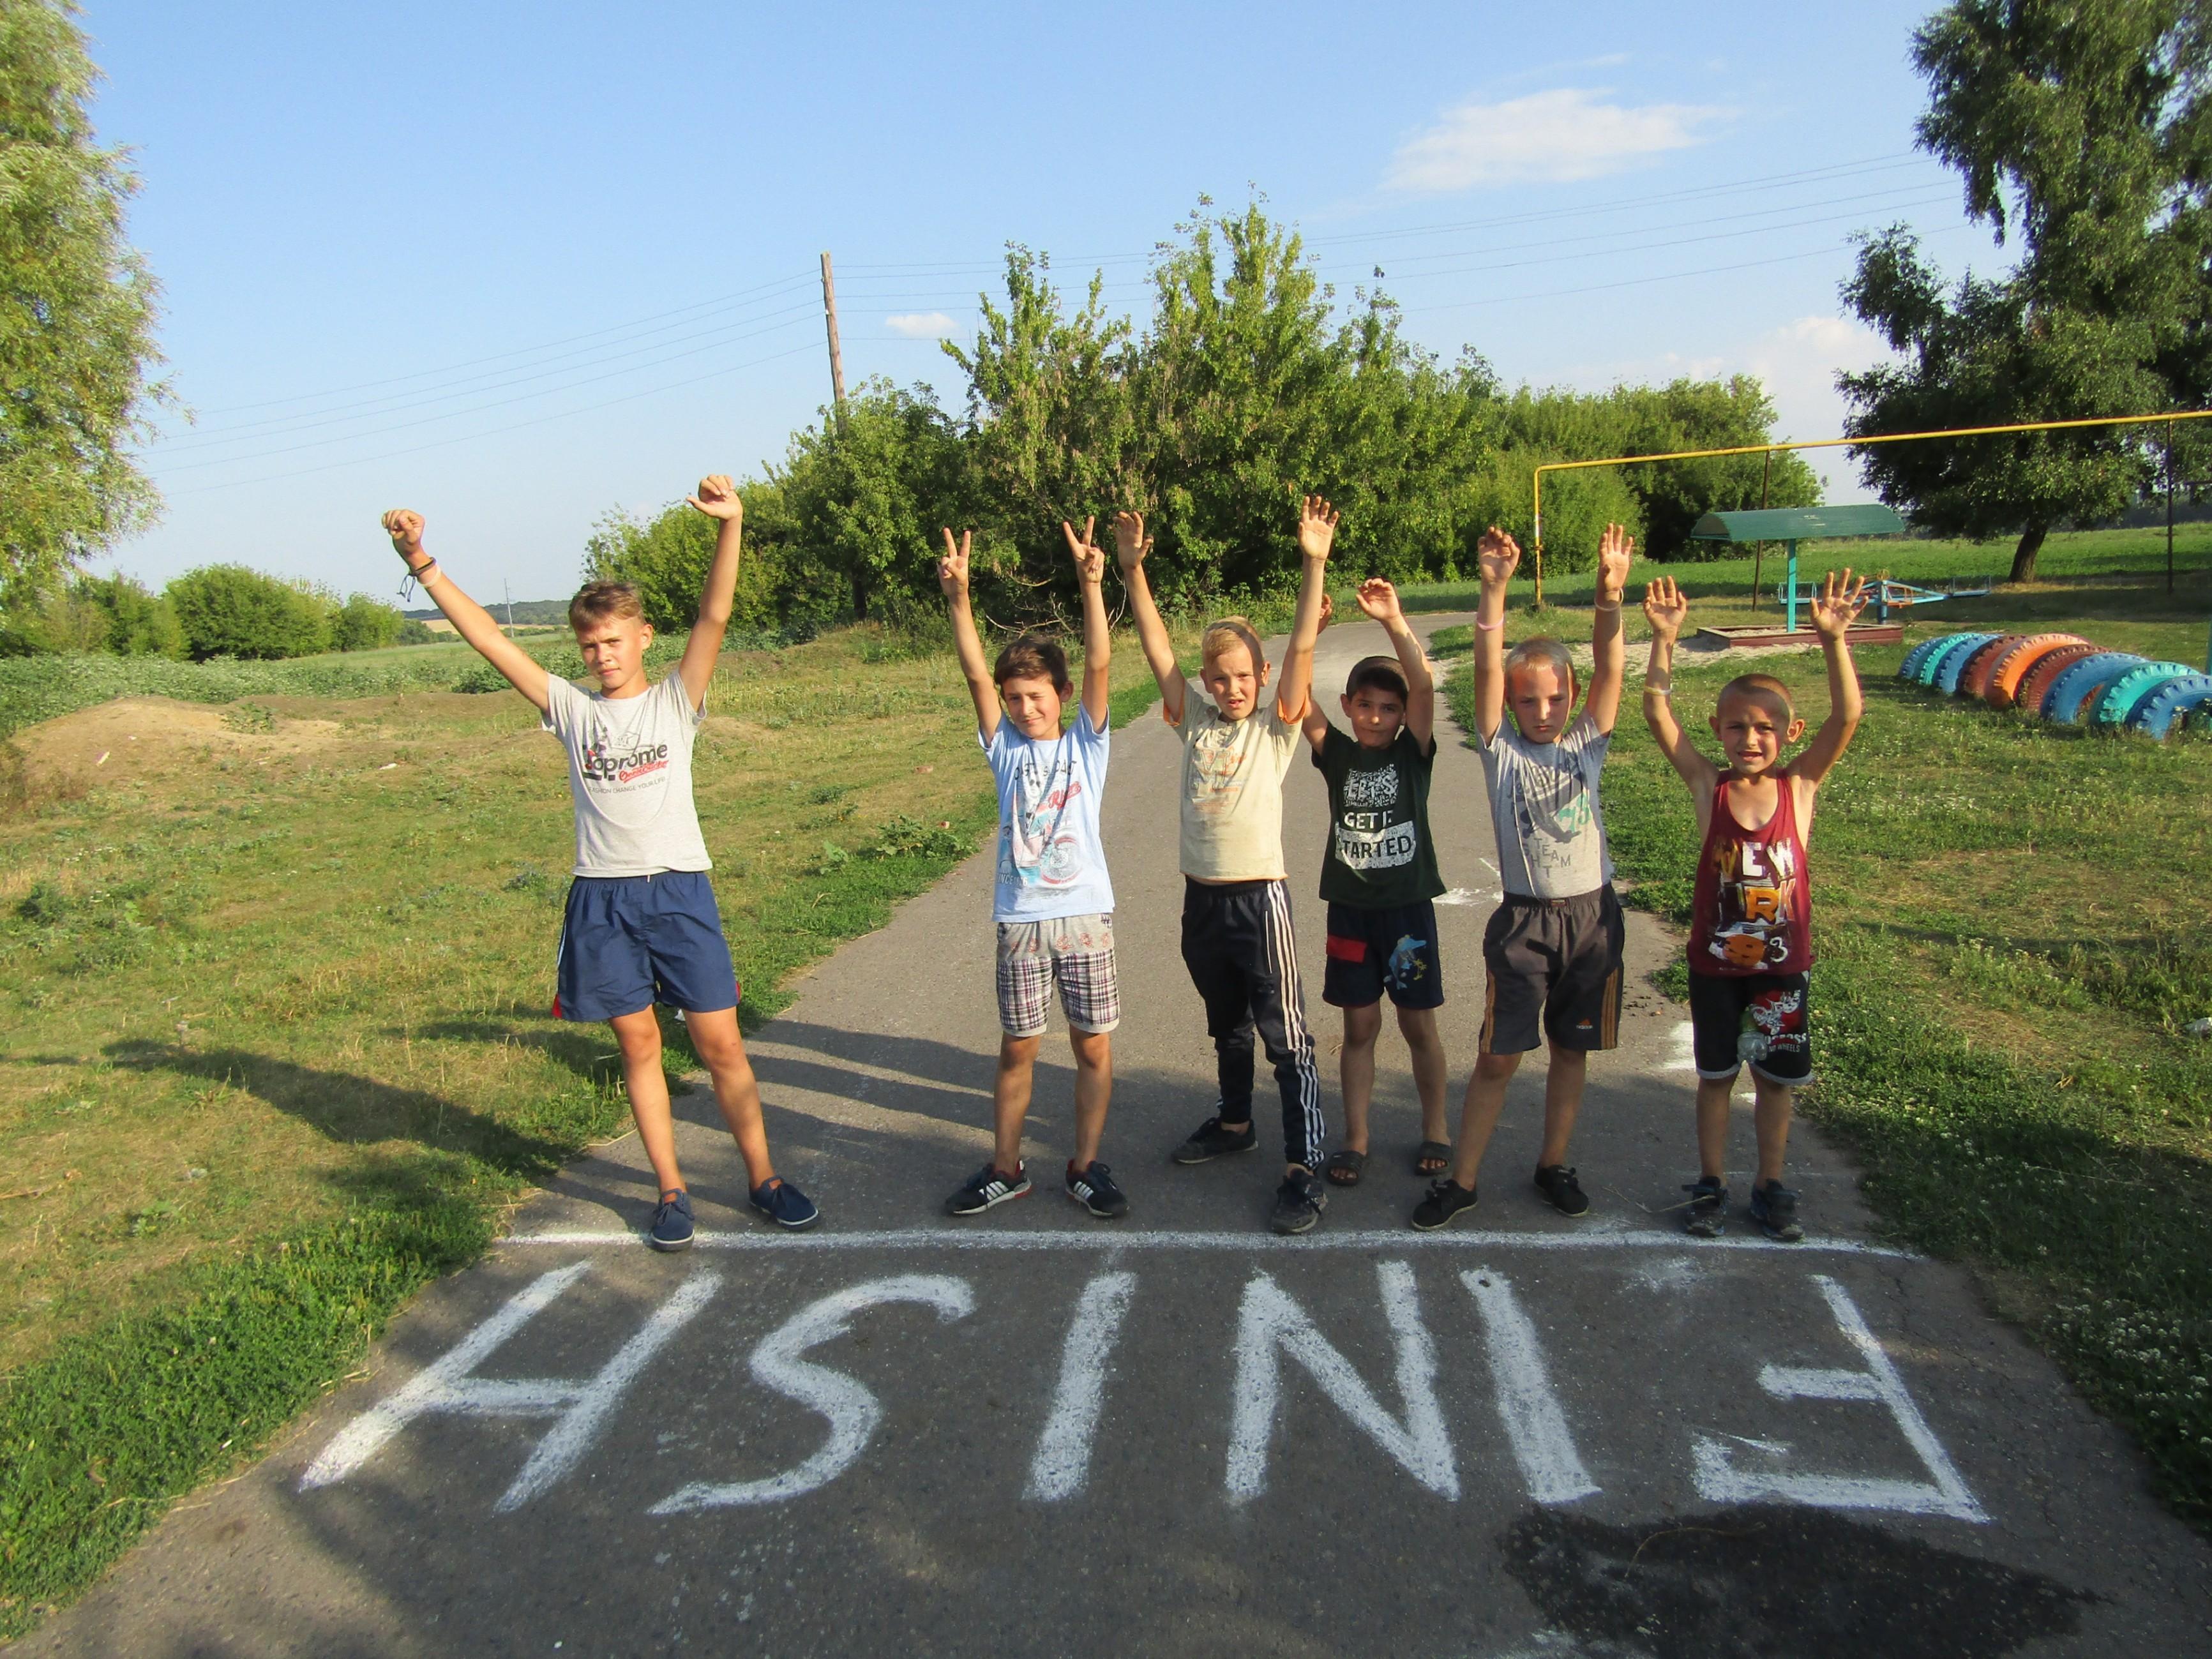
(595, 602)
(1753, 685)
(1228, 631)
(1542, 650)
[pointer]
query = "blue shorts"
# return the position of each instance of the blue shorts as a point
(1371, 951)
(628, 942)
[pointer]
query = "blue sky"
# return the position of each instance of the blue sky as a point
(516, 266)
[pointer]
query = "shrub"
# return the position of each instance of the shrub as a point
(228, 611)
(135, 622)
(365, 624)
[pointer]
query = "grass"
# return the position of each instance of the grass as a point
(2012, 934)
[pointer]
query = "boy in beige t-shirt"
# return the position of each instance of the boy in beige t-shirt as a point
(1237, 746)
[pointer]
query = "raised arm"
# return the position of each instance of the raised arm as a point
(1608, 651)
(952, 577)
(1665, 609)
(1379, 600)
(717, 500)
(1316, 724)
(1833, 612)
(1497, 555)
(470, 620)
(1097, 634)
(1316, 535)
(1131, 544)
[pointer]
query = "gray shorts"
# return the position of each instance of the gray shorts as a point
(1076, 954)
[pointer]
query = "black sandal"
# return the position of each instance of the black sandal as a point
(1346, 1167)
(1431, 1158)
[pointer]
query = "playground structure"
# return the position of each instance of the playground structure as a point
(2063, 679)
(1789, 525)
(1889, 595)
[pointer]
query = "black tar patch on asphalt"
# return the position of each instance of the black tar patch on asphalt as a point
(1768, 1578)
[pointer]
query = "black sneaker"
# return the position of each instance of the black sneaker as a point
(785, 1205)
(1447, 1201)
(1298, 1202)
(1708, 1211)
(1557, 1183)
(1774, 1211)
(985, 1188)
(1210, 1140)
(671, 1222)
(1094, 1188)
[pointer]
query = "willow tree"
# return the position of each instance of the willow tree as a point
(76, 310)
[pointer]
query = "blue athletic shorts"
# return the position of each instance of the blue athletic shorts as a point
(628, 942)
(1371, 951)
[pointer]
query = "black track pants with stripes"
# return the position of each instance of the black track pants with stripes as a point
(1236, 943)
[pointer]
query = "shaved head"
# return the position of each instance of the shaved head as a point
(1759, 688)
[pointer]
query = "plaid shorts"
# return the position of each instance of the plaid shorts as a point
(1073, 952)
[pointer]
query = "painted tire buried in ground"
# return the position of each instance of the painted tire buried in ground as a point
(2029, 699)
(2173, 700)
(1952, 663)
(1926, 673)
(1918, 657)
(2121, 697)
(2003, 689)
(1974, 672)
(2071, 691)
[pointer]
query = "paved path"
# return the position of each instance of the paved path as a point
(1038, 1433)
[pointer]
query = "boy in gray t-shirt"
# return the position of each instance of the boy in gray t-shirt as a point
(1552, 950)
(641, 926)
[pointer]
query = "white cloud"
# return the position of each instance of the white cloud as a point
(922, 325)
(1572, 132)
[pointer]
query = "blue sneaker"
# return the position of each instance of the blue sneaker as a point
(671, 1222)
(1774, 1212)
(785, 1205)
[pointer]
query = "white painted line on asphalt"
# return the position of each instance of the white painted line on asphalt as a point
(1681, 1048)
(1535, 1426)
(1270, 1324)
(1062, 1463)
(1718, 1480)
(579, 1425)
(853, 1409)
(1099, 1242)
(447, 1386)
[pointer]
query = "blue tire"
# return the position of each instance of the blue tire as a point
(2119, 699)
(1952, 663)
(2071, 691)
(1909, 668)
(2171, 701)
(1926, 673)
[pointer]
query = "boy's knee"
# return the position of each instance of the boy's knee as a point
(1094, 1051)
(1497, 1068)
(1362, 1025)
(1418, 1026)
(1018, 1050)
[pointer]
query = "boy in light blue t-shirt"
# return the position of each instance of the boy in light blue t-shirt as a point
(1053, 902)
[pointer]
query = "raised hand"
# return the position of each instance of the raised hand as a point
(718, 498)
(1497, 555)
(1614, 551)
(1316, 528)
(1131, 544)
(1089, 559)
(1665, 608)
(952, 568)
(404, 525)
(1327, 611)
(1379, 600)
(1840, 603)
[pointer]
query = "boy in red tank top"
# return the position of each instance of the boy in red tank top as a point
(1751, 946)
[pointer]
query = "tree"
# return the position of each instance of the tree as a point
(363, 623)
(2083, 129)
(135, 623)
(228, 611)
(77, 310)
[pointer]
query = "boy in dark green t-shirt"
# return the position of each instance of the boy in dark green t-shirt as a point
(1379, 877)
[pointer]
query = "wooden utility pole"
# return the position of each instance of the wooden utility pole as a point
(829, 316)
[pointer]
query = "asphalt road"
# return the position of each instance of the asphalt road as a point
(1039, 1433)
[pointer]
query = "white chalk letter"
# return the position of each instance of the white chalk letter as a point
(1270, 1324)
(853, 1411)
(1536, 1426)
(1719, 1480)
(1062, 1463)
(450, 1385)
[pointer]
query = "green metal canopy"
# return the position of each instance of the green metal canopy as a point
(1792, 523)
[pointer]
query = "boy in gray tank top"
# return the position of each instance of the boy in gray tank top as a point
(1552, 952)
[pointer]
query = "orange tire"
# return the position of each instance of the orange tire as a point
(1975, 676)
(2028, 694)
(2012, 666)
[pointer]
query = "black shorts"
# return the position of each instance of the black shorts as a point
(1371, 951)
(1554, 971)
(1765, 1018)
